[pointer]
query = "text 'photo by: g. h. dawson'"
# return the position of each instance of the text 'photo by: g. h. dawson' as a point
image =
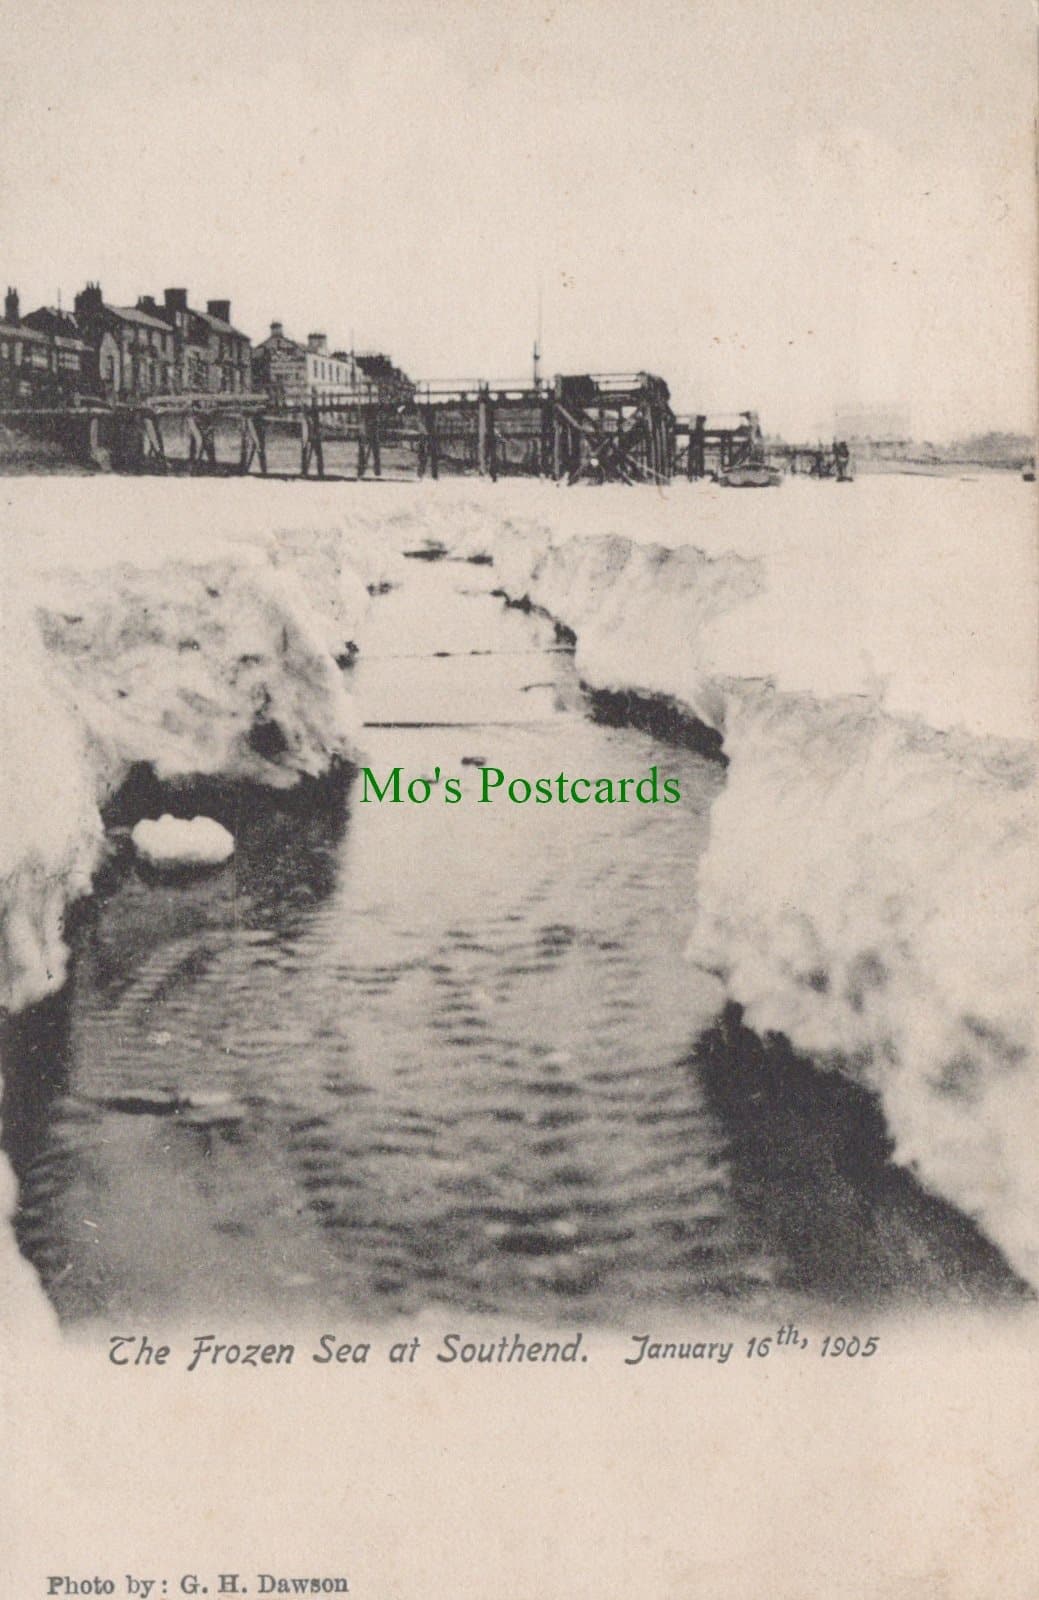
(518, 685)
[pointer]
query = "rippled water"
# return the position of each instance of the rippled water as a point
(399, 1056)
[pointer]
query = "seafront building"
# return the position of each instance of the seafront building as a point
(40, 365)
(133, 351)
(211, 356)
(291, 372)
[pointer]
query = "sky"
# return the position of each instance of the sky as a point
(782, 206)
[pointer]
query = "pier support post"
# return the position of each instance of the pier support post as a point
(545, 440)
(201, 442)
(252, 445)
(697, 449)
(486, 443)
(558, 440)
(368, 442)
(311, 448)
(152, 448)
(428, 455)
(375, 442)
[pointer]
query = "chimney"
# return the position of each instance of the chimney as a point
(11, 307)
(175, 299)
(88, 300)
(219, 308)
(146, 302)
(317, 343)
(277, 329)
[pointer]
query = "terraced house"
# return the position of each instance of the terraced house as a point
(291, 372)
(133, 350)
(40, 365)
(211, 355)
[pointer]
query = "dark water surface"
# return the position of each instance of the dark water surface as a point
(402, 1056)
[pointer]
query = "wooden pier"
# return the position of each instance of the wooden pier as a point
(591, 428)
(578, 428)
(710, 446)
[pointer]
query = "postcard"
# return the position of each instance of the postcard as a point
(518, 871)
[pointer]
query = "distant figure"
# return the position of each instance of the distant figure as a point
(842, 460)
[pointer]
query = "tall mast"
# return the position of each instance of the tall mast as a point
(537, 345)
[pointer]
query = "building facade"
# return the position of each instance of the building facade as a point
(40, 365)
(133, 351)
(210, 355)
(291, 372)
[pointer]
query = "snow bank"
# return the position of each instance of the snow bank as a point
(181, 841)
(869, 890)
(190, 625)
(870, 884)
(193, 626)
(866, 650)
(50, 838)
(216, 667)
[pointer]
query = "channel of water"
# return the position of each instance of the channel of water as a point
(397, 1056)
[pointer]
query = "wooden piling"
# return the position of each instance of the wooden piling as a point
(201, 442)
(311, 446)
(375, 440)
(428, 450)
(558, 442)
(486, 451)
(545, 441)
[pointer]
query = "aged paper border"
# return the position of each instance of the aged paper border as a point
(910, 1477)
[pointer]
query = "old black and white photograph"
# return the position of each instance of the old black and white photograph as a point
(517, 757)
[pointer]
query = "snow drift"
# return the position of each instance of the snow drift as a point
(870, 885)
(194, 631)
(202, 640)
(867, 653)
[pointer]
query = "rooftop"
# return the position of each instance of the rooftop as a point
(219, 325)
(132, 314)
(30, 335)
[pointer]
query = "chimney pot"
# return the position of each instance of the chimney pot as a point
(88, 299)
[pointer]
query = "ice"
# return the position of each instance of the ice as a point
(870, 884)
(182, 842)
(51, 834)
(867, 652)
(190, 626)
(194, 627)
